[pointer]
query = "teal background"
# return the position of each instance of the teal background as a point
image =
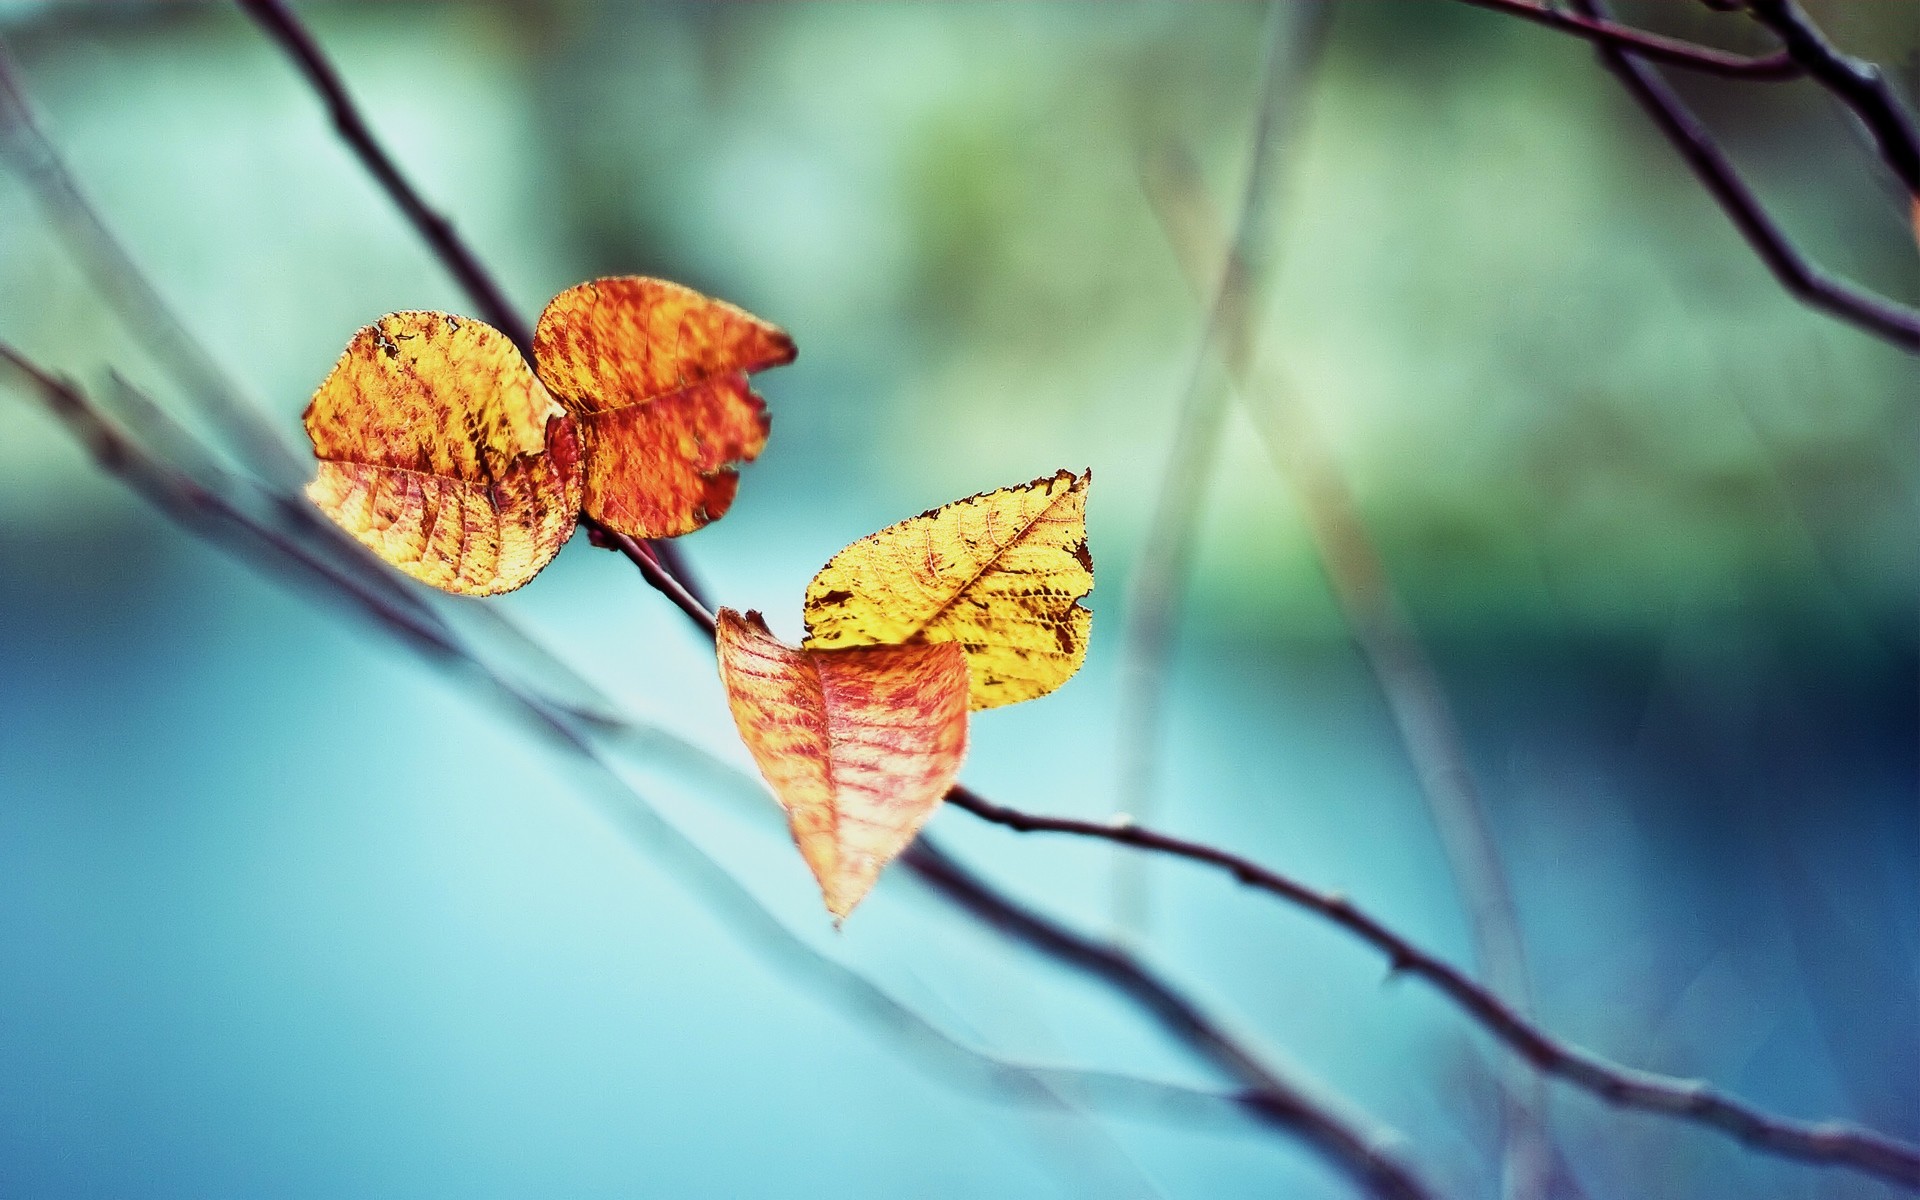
(285, 912)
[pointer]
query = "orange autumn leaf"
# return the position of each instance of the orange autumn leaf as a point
(859, 746)
(1001, 574)
(441, 452)
(656, 374)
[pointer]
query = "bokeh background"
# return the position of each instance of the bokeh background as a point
(286, 912)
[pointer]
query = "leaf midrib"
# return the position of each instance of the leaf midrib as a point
(1017, 538)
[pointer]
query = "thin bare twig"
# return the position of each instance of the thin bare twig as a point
(286, 29)
(1266, 1096)
(1860, 85)
(1660, 48)
(1824, 1142)
(1811, 284)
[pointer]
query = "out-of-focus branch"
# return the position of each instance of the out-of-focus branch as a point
(1392, 650)
(234, 415)
(33, 156)
(1157, 589)
(1658, 47)
(207, 511)
(1265, 1096)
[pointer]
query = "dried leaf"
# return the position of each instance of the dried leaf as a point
(859, 746)
(441, 452)
(1000, 573)
(656, 374)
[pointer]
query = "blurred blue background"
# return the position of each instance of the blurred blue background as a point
(285, 912)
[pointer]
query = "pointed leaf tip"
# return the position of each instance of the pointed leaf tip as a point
(1000, 574)
(859, 746)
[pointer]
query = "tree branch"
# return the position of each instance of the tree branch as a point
(1825, 1142)
(293, 37)
(1265, 1096)
(1830, 1143)
(1809, 283)
(435, 229)
(1860, 85)
(1774, 66)
(1121, 971)
(1266, 1093)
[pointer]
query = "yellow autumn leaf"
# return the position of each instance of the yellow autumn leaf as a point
(859, 746)
(1001, 574)
(442, 453)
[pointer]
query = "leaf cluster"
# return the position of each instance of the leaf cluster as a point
(449, 455)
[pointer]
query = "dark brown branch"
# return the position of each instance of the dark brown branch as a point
(1811, 284)
(1121, 971)
(641, 555)
(1831, 1143)
(434, 228)
(1825, 1142)
(285, 28)
(1860, 85)
(658, 566)
(1777, 65)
